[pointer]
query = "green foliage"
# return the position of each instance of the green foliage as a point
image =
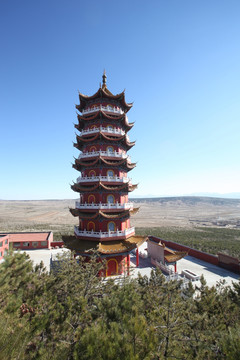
(74, 314)
(230, 343)
(210, 240)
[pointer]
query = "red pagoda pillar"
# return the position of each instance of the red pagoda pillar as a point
(128, 264)
(137, 257)
(103, 209)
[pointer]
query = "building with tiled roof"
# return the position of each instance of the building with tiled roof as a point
(28, 240)
(103, 209)
(158, 252)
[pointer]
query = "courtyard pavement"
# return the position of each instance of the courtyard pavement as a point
(211, 273)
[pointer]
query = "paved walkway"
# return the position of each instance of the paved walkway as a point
(211, 273)
(44, 255)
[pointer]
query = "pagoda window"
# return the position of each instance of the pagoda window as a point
(110, 149)
(111, 226)
(109, 127)
(110, 199)
(92, 173)
(93, 127)
(109, 107)
(91, 226)
(16, 244)
(91, 199)
(93, 149)
(110, 173)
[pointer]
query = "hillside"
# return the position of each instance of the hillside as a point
(191, 200)
(183, 212)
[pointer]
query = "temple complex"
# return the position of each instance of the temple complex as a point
(103, 208)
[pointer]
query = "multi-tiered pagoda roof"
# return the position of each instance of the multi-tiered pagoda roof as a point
(103, 209)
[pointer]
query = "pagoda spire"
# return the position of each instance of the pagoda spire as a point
(104, 78)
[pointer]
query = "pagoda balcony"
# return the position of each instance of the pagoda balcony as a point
(116, 154)
(104, 235)
(103, 129)
(108, 206)
(109, 109)
(102, 178)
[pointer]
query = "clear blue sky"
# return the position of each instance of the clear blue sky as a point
(179, 61)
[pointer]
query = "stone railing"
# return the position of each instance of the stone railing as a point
(104, 153)
(102, 178)
(102, 235)
(126, 206)
(103, 108)
(162, 266)
(103, 129)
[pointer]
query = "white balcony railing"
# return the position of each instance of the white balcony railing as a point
(103, 129)
(104, 153)
(102, 235)
(126, 206)
(102, 178)
(162, 266)
(104, 108)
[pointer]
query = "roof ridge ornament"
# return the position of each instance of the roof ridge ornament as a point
(104, 78)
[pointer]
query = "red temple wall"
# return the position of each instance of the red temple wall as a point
(4, 241)
(222, 260)
(115, 265)
(192, 252)
(96, 225)
(96, 197)
(89, 198)
(229, 262)
(124, 199)
(97, 147)
(103, 172)
(31, 245)
(27, 241)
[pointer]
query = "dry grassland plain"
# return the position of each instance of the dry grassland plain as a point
(207, 224)
(180, 212)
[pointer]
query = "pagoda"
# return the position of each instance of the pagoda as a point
(103, 208)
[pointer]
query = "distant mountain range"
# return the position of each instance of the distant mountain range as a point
(190, 200)
(233, 195)
(196, 197)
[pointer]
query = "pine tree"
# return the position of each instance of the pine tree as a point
(73, 314)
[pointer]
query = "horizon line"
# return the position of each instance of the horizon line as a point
(215, 196)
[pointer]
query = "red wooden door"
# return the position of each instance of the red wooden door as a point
(112, 267)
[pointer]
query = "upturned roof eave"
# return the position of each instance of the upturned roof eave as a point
(103, 93)
(108, 247)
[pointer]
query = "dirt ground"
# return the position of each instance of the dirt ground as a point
(187, 214)
(171, 212)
